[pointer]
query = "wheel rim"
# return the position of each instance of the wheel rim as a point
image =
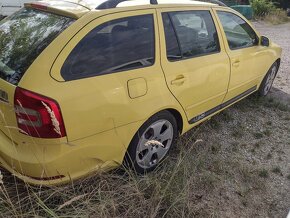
(270, 80)
(154, 144)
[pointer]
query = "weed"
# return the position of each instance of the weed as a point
(225, 115)
(214, 123)
(269, 156)
(271, 102)
(269, 123)
(288, 177)
(267, 132)
(277, 170)
(264, 173)
(258, 135)
(257, 145)
(238, 132)
(215, 148)
(276, 16)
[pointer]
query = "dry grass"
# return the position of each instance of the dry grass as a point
(277, 16)
(217, 177)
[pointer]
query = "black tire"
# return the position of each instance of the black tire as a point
(131, 156)
(268, 80)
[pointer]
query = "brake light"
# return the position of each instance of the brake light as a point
(39, 5)
(37, 115)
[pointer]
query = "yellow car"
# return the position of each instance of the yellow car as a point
(88, 86)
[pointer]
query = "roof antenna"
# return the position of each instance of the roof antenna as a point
(153, 2)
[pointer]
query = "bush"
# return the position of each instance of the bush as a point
(262, 8)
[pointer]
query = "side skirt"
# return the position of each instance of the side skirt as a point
(221, 106)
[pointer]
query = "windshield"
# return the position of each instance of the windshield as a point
(23, 36)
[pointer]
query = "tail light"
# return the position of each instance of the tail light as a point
(37, 115)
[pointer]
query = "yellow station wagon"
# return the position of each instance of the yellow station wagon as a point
(89, 85)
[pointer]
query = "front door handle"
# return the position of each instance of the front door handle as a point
(179, 80)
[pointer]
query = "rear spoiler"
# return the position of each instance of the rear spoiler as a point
(67, 9)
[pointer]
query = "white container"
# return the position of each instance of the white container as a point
(8, 7)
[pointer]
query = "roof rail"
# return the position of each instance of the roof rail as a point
(220, 3)
(114, 3)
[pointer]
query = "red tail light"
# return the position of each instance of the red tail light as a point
(37, 115)
(40, 6)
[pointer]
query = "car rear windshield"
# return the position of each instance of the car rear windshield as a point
(23, 36)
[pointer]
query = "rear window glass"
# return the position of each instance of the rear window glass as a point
(23, 36)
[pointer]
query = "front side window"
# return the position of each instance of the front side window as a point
(118, 45)
(23, 36)
(196, 34)
(238, 32)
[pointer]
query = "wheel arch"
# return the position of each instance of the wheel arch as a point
(178, 118)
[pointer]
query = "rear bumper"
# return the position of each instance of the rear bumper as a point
(52, 164)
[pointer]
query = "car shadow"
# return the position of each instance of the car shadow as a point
(280, 95)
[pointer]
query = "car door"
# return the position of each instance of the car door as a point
(246, 55)
(195, 64)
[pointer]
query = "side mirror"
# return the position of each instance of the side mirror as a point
(265, 41)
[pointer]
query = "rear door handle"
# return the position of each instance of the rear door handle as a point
(236, 63)
(179, 80)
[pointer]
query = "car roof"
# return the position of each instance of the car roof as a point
(77, 8)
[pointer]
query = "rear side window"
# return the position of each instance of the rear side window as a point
(196, 33)
(118, 45)
(23, 36)
(238, 32)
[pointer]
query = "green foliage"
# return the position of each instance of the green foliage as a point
(262, 8)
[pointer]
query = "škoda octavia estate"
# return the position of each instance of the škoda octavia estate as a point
(89, 85)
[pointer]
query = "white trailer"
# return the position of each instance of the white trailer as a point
(8, 7)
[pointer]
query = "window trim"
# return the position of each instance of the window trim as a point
(115, 71)
(178, 41)
(222, 27)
